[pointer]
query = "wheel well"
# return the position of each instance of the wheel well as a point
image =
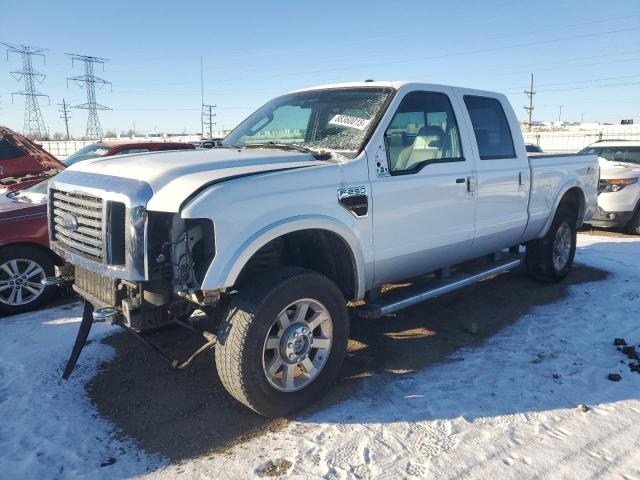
(573, 201)
(315, 249)
(54, 258)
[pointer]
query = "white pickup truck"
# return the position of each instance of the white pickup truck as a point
(318, 198)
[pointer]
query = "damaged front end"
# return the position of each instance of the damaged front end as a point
(141, 270)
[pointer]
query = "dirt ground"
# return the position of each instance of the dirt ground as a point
(188, 413)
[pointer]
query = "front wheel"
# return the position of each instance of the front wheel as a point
(550, 258)
(282, 341)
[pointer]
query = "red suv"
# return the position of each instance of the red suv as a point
(25, 257)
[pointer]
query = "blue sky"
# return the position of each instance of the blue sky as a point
(585, 54)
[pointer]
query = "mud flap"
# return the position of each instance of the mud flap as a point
(81, 338)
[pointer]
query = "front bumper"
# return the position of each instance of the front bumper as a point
(602, 218)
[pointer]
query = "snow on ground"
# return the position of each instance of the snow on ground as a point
(506, 409)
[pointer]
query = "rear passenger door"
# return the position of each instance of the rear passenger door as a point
(502, 174)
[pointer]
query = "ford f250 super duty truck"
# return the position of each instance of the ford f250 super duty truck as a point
(318, 198)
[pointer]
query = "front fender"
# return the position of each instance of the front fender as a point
(225, 268)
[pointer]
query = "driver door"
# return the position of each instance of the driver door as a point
(424, 207)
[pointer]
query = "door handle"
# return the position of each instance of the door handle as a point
(460, 180)
(521, 178)
(471, 185)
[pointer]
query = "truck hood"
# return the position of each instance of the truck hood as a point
(612, 170)
(176, 175)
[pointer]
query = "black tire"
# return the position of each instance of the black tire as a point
(633, 227)
(249, 320)
(540, 253)
(31, 301)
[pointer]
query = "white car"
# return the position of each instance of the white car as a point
(320, 197)
(619, 190)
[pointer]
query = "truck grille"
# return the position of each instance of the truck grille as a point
(85, 236)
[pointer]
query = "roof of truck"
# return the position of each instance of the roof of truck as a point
(396, 84)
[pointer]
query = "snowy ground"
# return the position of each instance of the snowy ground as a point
(506, 409)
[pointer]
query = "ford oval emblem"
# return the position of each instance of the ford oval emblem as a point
(69, 221)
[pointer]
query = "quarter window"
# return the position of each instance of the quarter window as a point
(423, 131)
(491, 128)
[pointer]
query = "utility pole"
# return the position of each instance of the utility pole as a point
(201, 100)
(207, 115)
(89, 81)
(560, 113)
(530, 93)
(34, 126)
(64, 114)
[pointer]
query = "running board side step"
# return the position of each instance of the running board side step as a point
(434, 289)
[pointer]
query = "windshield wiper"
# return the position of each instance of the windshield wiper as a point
(320, 155)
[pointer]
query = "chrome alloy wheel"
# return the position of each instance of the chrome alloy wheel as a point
(561, 247)
(297, 346)
(20, 281)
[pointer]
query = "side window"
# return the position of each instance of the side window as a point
(8, 150)
(423, 131)
(491, 128)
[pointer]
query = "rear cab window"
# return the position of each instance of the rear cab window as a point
(491, 127)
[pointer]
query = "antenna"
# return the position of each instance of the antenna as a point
(34, 126)
(89, 81)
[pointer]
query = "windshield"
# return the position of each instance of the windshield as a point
(616, 154)
(90, 151)
(338, 119)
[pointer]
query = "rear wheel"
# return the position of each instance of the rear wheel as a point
(550, 258)
(22, 270)
(282, 341)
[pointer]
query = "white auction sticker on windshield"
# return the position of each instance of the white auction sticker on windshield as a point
(349, 121)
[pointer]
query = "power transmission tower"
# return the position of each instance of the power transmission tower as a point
(89, 81)
(64, 114)
(34, 126)
(207, 116)
(530, 93)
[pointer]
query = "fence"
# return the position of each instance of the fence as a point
(62, 149)
(573, 141)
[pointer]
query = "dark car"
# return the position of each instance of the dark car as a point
(25, 257)
(533, 148)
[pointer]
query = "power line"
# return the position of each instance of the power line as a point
(64, 114)
(34, 125)
(89, 81)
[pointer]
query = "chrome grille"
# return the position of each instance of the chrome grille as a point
(86, 239)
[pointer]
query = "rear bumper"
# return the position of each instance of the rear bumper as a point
(603, 218)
